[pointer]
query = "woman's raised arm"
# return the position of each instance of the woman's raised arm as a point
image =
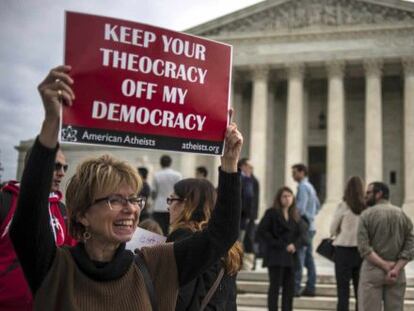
(30, 231)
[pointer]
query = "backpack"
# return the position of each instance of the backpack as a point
(5, 205)
(62, 209)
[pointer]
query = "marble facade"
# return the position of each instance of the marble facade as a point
(326, 82)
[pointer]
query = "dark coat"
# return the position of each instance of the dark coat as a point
(145, 192)
(250, 198)
(275, 234)
(191, 295)
(250, 244)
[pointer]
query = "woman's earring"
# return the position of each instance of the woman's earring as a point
(86, 235)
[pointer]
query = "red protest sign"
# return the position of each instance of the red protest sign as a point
(142, 86)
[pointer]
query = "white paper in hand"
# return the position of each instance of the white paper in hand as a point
(142, 238)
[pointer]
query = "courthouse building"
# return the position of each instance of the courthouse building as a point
(326, 82)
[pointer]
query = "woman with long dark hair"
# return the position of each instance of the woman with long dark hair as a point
(190, 207)
(344, 227)
(281, 232)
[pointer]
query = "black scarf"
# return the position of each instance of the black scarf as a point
(103, 271)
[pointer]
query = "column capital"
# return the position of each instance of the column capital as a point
(296, 70)
(373, 67)
(408, 65)
(260, 72)
(336, 68)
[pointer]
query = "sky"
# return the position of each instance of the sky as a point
(31, 43)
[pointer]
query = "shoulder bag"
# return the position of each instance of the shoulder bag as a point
(212, 290)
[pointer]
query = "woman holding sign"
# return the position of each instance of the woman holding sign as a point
(190, 208)
(98, 273)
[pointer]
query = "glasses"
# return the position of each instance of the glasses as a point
(59, 166)
(171, 200)
(118, 202)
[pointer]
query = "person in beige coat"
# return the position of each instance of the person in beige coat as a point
(344, 228)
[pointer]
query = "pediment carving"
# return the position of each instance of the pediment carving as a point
(296, 14)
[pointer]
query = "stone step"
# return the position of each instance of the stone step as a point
(329, 290)
(256, 301)
(262, 288)
(315, 303)
(262, 276)
(265, 309)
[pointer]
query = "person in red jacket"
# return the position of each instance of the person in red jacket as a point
(15, 294)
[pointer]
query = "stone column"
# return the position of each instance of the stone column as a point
(373, 121)
(335, 148)
(236, 97)
(214, 172)
(295, 122)
(258, 139)
(408, 65)
(188, 165)
(336, 133)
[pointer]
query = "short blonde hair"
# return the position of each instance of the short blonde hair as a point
(95, 177)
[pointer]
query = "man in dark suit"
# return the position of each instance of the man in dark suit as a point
(250, 205)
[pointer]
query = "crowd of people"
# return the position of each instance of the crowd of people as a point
(103, 210)
(373, 241)
(73, 256)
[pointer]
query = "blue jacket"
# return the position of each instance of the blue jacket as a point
(307, 202)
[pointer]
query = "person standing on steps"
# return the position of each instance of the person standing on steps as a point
(308, 205)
